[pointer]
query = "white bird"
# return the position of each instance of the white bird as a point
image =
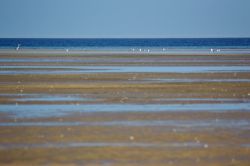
(211, 50)
(18, 47)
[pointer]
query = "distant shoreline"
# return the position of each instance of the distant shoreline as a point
(171, 51)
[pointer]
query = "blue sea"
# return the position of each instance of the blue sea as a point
(126, 44)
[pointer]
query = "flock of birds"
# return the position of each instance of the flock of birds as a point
(164, 49)
(212, 50)
(136, 50)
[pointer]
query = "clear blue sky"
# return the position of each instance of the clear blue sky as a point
(124, 18)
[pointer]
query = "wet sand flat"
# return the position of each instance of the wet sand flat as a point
(124, 109)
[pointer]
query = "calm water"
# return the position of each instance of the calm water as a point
(52, 110)
(120, 44)
(15, 70)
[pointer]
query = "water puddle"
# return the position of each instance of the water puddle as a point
(143, 123)
(194, 80)
(221, 100)
(37, 60)
(51, 110)
(119, 60)
(246, 145)
(22, 97)
(119, 69)
(103, 144)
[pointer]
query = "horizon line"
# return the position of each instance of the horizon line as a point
(124, 37)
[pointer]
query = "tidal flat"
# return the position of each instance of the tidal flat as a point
(124, 109)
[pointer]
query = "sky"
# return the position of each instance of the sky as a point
(124, 18)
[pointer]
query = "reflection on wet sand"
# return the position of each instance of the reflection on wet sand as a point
(119, 69)
(143, 123)
(122, 109)
(51, 110)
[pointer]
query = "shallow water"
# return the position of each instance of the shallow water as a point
(50, 110)
(118, 60)
(195, 80)
(103, 144)
(13, 70)
(144, 123)
(219, 100)
(23, 97)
